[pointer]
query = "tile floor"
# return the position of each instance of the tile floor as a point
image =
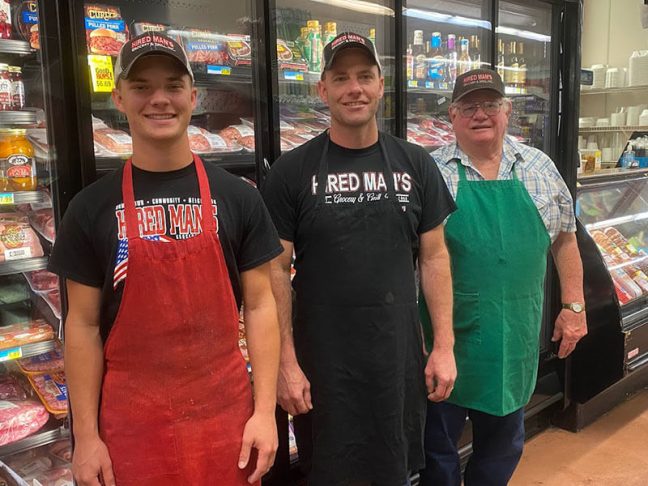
(613, 451)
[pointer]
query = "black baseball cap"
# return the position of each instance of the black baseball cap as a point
(146, 44)
(344, 41)
(475, 80)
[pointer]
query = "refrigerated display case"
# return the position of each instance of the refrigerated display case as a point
(33, 184)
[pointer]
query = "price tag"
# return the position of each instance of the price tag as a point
(293, 76)
(17, 253)
(6, 198)
(412, 83)
(219, 70)
(429, 85)
(9, 354)
(101, 71)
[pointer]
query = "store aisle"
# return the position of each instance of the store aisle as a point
(613, 451)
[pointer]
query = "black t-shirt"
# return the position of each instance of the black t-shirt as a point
(89, 249)
(355, 176)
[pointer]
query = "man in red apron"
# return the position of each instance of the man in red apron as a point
(359, 207)
(512, 207)
(157, 258)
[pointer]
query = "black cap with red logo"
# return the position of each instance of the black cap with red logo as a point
(150, 43)
(344, 41)
(475, 80)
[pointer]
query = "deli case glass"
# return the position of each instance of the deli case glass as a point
(34, 435)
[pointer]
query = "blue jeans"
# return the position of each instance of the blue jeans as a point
(497, 446)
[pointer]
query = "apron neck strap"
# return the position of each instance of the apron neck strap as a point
(128, 195)
(322, 171)
(461, 170)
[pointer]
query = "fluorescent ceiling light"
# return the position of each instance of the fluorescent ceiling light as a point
(359, 6)
(446, 18)
(523, 33)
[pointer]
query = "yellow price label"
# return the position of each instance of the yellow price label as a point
(6, 198)
(9, 354)
(101, 71)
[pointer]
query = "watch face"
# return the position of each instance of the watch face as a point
(577, 307)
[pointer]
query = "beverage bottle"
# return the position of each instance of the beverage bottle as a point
(306, 46)
(372, 35)
(501, 60)
(409, 63)
(17, 88)
(452, 57)
(522, 66)
(464, 63)
(330, 32)
(418, 51)
(5, 88)
(436, 61)
(475, 51)
(315, 44)
(19, 163)
(513, 67)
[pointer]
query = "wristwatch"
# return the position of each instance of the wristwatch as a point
(576, 307)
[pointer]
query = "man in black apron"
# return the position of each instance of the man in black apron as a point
(512, 207)
(359, 208)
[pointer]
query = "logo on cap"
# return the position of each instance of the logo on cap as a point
(344, 38)
(477, 78)
(152, 40)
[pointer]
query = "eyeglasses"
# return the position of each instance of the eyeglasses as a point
(491, 108)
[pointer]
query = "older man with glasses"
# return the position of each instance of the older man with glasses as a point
(512, 207)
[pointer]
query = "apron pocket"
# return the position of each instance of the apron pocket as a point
(466, 317)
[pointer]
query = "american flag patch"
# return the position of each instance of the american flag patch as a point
(121, 260)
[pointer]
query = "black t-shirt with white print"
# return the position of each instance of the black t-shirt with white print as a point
(89, 248)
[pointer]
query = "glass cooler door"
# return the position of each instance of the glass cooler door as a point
(303, 27)
(33, 397)
(443, 39)
(524, 60)
(218, 39)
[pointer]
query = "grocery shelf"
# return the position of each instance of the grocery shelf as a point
(12, 118)
(56, 432)
(624, 128)
(24, 265)
(241, 160)
(288, 76)
(630, 218)
(25, 351)
(208, 75)
(21, 197)
(19, 47)
(627, 89)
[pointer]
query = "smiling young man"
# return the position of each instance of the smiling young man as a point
(512, 207)
(157, 258)
(359, 207)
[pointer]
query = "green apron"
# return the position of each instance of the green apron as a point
(498, 252)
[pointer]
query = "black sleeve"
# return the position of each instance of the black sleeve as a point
(280, 201)
(73, 255)
(437, 201)
(260, 242)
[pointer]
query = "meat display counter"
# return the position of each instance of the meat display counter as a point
(611, 361)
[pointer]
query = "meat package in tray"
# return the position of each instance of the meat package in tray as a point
(42, 220)
(47, 465)
(202, 141)
(20, 418)
(243, 135)
(52, 361)
(52, 391)
(113, 142)
(25, 333)
(18, 239)
(205, 47)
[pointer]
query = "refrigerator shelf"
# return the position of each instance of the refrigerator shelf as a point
(208, 75)
(26, 351)
(21, 197)
(25, 265)
(12, 118)
(55, 432)
(242, 160)
(19, 47)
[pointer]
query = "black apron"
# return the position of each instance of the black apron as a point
(357, 337)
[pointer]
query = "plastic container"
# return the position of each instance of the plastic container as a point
(17, 161)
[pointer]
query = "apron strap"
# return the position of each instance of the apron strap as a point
(461, 170)
(128, 194)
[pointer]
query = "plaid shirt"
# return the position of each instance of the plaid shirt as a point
(536, 171)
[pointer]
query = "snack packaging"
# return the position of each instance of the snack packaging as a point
(239, 51)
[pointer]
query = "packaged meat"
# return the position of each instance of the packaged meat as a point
(42, 221)
(113, 141)
(52, 390)
(46, 362)
(290, 57)
(106, 31)
(13, 217)
(25, 333)
(239, 51)
(317, 126)
(20, 418)
(18, 241)
(243, 135)
(11, 388)
(59, 476)
(30, 462)
(26, 22)
(61, 450)
(42, 280)
(53, 300)
(140, 28)
(292, 139)
(205, 47)
(197, 141)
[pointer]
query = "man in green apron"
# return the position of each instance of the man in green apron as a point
(512, 207)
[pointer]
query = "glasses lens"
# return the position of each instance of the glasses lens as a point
(489, 107)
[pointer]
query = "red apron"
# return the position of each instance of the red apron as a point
(176, 394)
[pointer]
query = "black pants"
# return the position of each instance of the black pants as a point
(497, 446)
